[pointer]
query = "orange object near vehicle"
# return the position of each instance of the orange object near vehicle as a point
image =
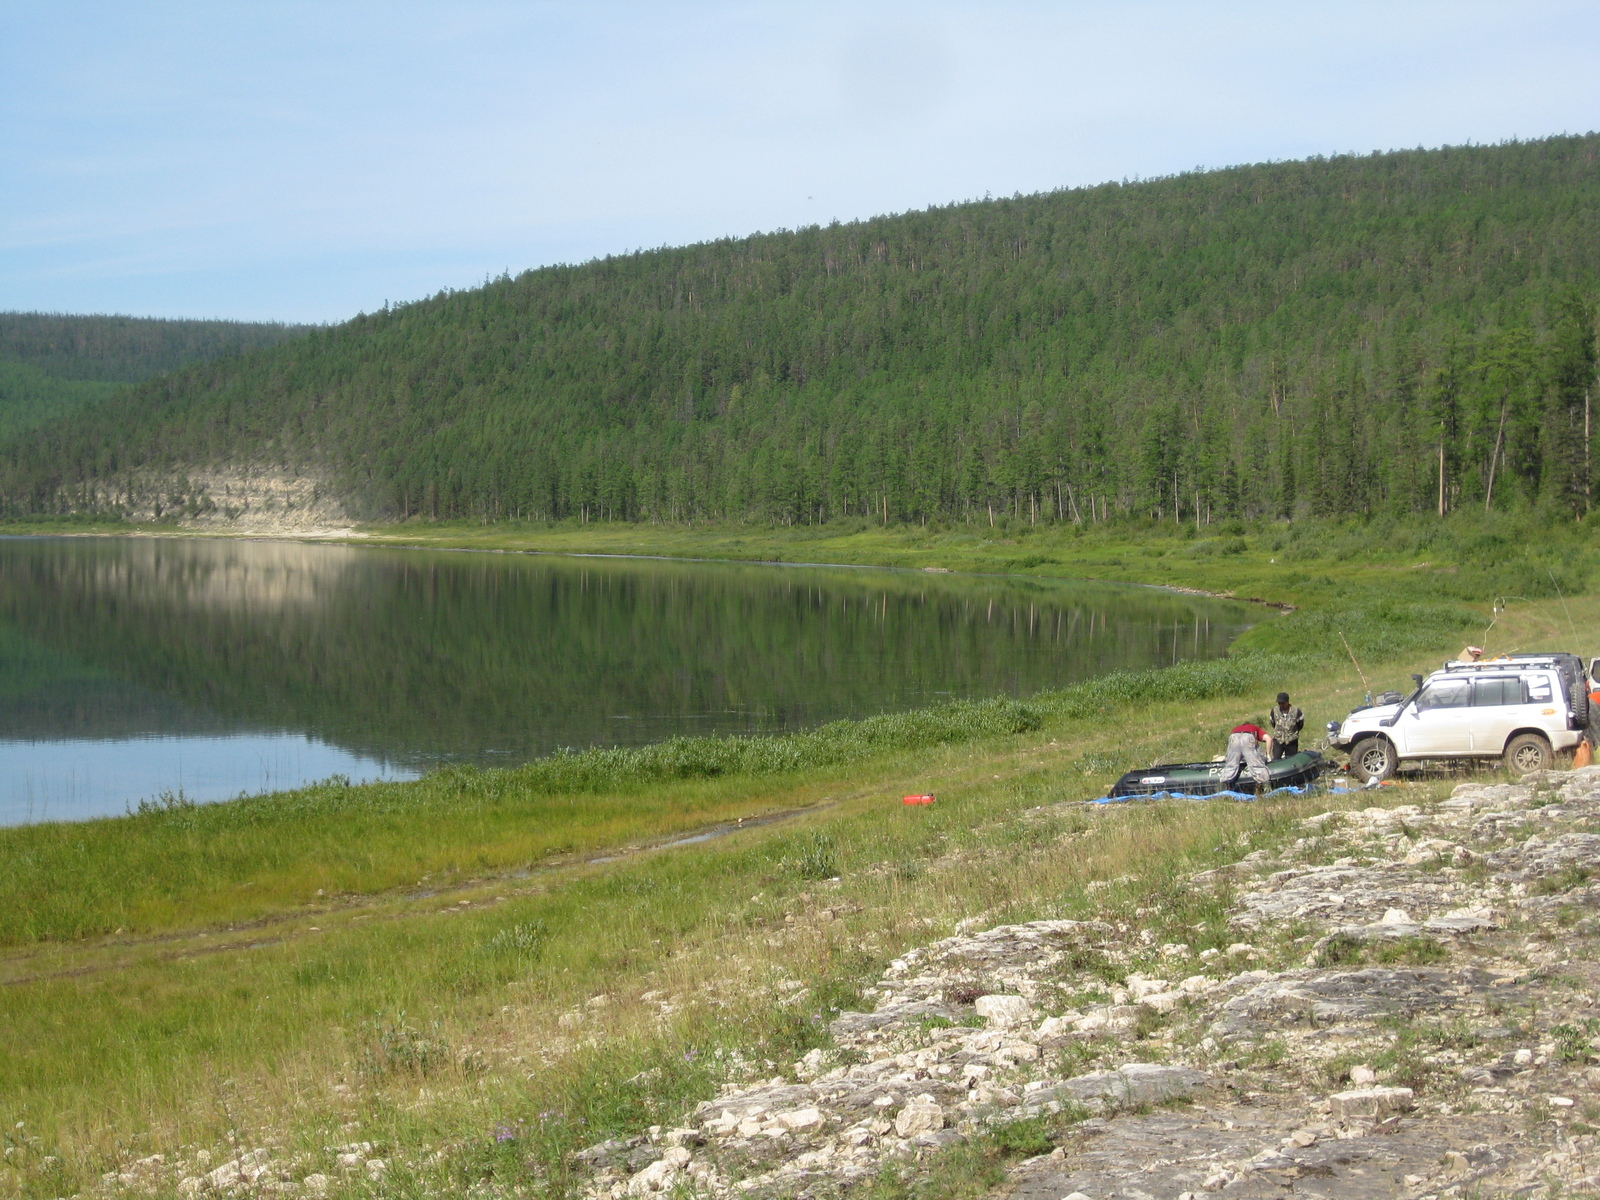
(928, 799)
(1582, 755)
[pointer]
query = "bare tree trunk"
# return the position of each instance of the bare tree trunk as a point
(1077, 517)
(1441, 473)
(1494, 458)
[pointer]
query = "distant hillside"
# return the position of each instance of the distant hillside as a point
(1306, 337)
(51, 363)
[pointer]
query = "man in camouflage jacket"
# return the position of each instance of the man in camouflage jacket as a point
(1287, 721)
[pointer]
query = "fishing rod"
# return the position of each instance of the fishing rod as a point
(1357, 666)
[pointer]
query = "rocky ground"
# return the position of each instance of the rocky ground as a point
(1410, 1009)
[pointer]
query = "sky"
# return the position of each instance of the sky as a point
(307, 161)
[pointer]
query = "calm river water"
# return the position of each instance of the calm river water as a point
(129, 667)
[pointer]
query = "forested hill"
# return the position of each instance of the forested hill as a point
(51, 363)
(1305, 337)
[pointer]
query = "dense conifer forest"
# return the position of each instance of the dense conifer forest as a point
(1394, 333)
(52, 363)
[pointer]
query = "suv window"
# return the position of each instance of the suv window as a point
(1488, 693)
(1445, 693)
(1539, 689)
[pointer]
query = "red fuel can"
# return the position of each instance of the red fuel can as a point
(925, 799)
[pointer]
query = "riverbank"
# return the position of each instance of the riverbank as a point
(475, 1006)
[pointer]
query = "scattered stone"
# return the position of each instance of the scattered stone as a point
(1004, 1012)
(1370, 1104)
(801, 1120)
(922, 1115)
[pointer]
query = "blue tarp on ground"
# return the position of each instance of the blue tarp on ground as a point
(1296, 791)
(1293, 791)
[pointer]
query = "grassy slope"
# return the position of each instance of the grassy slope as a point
(242, 998)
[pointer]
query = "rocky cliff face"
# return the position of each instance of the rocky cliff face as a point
(255, 502)
(1410, 1010)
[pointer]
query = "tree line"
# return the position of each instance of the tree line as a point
(1402, 332)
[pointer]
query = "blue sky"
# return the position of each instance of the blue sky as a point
(308, 161)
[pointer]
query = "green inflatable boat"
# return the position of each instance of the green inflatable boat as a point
(1205, 779)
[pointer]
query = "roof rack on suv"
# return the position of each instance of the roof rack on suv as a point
(1508, 663)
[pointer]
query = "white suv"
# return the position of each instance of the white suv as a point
(1521, 710)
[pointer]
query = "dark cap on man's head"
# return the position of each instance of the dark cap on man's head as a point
(1283, 697)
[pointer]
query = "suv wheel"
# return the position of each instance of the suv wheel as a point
(1527, 753)
(1578, 703)
(1372, 758)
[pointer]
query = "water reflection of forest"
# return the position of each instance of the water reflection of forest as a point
(420, 655)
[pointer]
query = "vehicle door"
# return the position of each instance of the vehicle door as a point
(1499, 705)
(1437, 724)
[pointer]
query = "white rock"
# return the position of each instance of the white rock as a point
(1004, 1011)
(227, 1175)
(316, 1184)
(810, 1066)
(376, 1168)
(1396, 916)
(1139, 987)
(1014, 1052)
(661, 1175)
(1075, 1196)
(1370, 1104)
(801, 1120)
(1429, 849)
(1054, 1027)
(1163, 1002)
(1363, 1075)
(922, 1115)
(1195, 984)
(190, 1185)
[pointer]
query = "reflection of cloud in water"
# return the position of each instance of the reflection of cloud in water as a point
(105, 778)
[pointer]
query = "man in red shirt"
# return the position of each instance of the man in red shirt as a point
(1244, 750)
